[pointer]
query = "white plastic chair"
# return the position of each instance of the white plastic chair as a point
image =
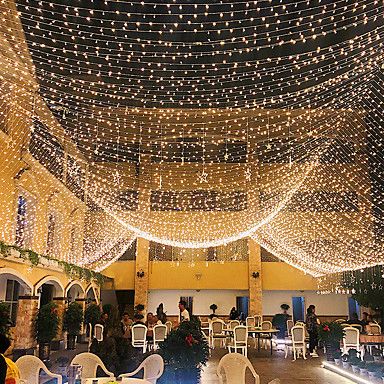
(169, 326)
(98, 332)
(275, 381)
(153, 367)
(297, 343)
(217, 333)
(265, 326)
(159, 334)
(351, 339)
(89, 363)
(30, 366)
(357, 326)
(240, 340)
(90, 336)
(139, 336)
(234, 366)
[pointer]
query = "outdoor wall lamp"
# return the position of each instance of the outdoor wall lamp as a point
(140, 273)
(255, 275)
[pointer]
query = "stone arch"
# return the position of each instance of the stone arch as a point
(91, 293)
(59, 288)
(13, 274)
(74, 290)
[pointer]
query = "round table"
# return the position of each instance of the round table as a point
(106, 380)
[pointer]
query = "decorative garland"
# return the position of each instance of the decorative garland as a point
(71, 270)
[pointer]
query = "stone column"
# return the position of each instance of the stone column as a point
(254, 276)
(24, 331)
(61, 306)
(142, 272)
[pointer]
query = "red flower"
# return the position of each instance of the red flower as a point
(189, 340)
(326, 328)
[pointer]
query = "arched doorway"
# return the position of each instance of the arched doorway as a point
(48, 288)
(74, 291)
(12, 286)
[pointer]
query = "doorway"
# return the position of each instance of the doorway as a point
(242, 303)
(353, 307)
(298, 308)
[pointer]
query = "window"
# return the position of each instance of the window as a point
(51, 234)
(12, 297)
(21, 221)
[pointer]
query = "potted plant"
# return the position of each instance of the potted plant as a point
(5, 324)
(73, 318)
(331, 334)
(213, 308)
(92, 316)
(47, 325)
(184, 351)
(337, 357)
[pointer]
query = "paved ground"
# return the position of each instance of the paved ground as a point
(267, 367)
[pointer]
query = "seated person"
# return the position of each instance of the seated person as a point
(9, 373)
(234, 314)
(355, 320)
(151, 320)
(126, 324)
(138, 319)
(365, 319)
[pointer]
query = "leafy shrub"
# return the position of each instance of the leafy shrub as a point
(92, 314)
(4, 319)
(47, 323)
(73, 318)
(331, 333)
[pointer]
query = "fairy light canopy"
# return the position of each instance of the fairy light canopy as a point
(195, 124)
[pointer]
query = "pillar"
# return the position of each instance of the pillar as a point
(142, 272)
(255, 278)
(24, 332)
(61, 306)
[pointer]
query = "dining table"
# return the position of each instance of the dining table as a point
(368, 339)
(263, 333)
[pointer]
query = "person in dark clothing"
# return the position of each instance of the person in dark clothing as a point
(280, 321)
(312, 323)
(9, 372)
(234, 314)
(355, 320)
(138, 319)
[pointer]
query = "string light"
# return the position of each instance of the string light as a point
(195, 125)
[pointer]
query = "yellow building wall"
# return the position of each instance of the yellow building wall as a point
(230, 275)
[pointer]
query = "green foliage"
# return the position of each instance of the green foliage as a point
(47, 323)
(73, 318)
(185, 348)
(73, 271)
(92, 314)
(330, 332)
(4, 319)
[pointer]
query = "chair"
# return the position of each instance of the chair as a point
(89, 363)
(357, 326)
(250, 321)
(153, 367)
(98, 332)
(233, 323)
(290, 325)
(301, 323)
(341, 321)
(373, 329)
(217, 332)
(275, 381)
(351, 339)
(297, 343)
(266, 326)
(258, 320)
(169, 326)
(240, 340)
(139, 336)
(30, 366)
(90, 336)
(159, 334)
(234, 366)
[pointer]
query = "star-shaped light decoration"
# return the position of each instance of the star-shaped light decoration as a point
(226, 156)
(269, 146)
(203, 177)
